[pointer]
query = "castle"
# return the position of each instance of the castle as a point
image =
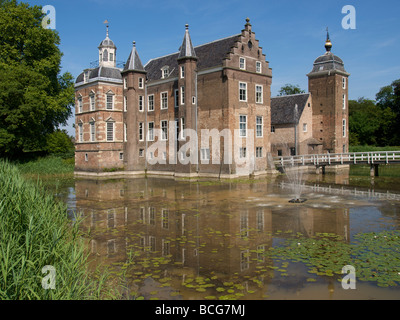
(204, 111)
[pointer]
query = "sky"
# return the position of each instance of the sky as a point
(291, 33)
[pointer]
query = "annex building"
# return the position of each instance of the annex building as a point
(204, 111)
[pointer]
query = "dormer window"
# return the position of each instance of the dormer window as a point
(165, 72)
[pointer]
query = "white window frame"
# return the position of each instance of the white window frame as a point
(150, 102)
(259, 133)
(92, 100)
(164, 72)
(141, 130)
(344, 102)
(164, 100)
(182, 95)
(80, 104)
(141, 83)
(125, 133)
(182, 72)
(258, 67)
(242, 63)
(110, 104)
(176, 98)
(344, 128)
(125, 103)
(344, 82)
(141, 103)
(182, 127)
(80, 131)
(243, 91)
(92, 131)
(150, 131)
(205, 154)
(86, 157)
(243, 130)
(305, 127)
(164, 129)
(259, 94)
(110, 129)
(125, 83)
(242, 152)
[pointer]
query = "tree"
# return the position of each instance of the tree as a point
(369, 124)
(59, 143)
(289, 89)
(34, 97)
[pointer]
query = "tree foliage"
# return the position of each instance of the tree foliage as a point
(35, 98)
(289, 89)
(375, 122)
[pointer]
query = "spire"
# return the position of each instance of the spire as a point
(328, 44)
(133, 62)
(186, 50)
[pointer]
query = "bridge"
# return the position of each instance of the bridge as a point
(320, 161)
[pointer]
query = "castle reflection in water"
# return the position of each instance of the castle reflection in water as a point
(181, 230)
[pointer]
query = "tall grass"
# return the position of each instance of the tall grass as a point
(47, 166)
(34, 232)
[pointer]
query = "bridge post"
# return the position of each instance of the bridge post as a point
(374, 170)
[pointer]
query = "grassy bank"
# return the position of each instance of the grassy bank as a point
(372, 148)
(35, 232)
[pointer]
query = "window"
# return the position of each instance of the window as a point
(150, 131)
(140, 83)
(86, 157)
(141, 152)
(292, 151)
(242, 126)
(204, 154)
(80, 131)
(111, 56)
(182, 72)
(125, 133)
(258, 67)
(182, 128)
(164, 72)
(176, 98)
(344, 83)
(92, 102)
(121, 157)
(80, 104)
(344, 128)
(304, 127)
(92, 131)
(182, 95)
(164, 130)
(242, 63)
(259, 152)
(279, 153)
(125, 103)
(242, 152)
(272, 129)
(150, 103)
(242, 91)
(259, 126)
(105, 55)
(259, 94)
(344, 102)
(125, 83)
(141, 103)
(110, 131)
(164, 218)
(164, 100)
(110, 101)
(140, 131)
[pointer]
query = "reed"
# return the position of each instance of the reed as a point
(35, 232)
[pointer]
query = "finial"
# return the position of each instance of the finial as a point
(134, 43)
(328, 43)
(107, 25)
(187, 26)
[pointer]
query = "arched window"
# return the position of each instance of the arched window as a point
(105, 55)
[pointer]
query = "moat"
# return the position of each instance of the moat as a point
(180, 239)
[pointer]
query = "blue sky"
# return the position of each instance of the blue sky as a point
(291, 33)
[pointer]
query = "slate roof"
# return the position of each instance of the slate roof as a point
(209, 55)
(133, 62)
(283, 108)
(186, 49)
(326, 62)
(102, 72)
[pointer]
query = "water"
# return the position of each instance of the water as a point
(207, 240)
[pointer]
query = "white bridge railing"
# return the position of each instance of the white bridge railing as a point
(326, 159)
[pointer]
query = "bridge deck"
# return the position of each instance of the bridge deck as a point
(328, 159)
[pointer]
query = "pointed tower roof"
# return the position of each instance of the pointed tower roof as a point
(133, 62)
(186, 50)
